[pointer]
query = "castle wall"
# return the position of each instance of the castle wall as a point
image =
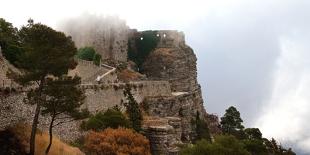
(104, 96)
(13, 110)
(171, 38)
(98, 98)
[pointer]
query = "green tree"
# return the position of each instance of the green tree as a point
(97, 59)
(62, 102)
(132, 109)
(47, 53)
(223, 145)
(112, 118)
(254, 142)
(231, 122)
(86, 53)
(9, 41)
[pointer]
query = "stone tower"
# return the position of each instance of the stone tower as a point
(108, 35)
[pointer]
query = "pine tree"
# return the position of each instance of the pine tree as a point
(46, 53)
(62, 103)
(132, 109)
(231, 122)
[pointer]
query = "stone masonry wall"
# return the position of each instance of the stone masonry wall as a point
(13, 110)
(98, 98)
(104, 96)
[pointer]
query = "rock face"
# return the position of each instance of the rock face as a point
(175, 62)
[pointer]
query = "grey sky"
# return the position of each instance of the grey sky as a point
(253, 54)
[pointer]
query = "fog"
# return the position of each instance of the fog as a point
(252, 54)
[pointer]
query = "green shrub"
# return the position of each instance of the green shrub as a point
(202, 128)
(96, 59)
(86, 53)
(9, 42)
(112, 118)
(223, 145)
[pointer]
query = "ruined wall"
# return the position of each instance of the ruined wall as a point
(164, 133)
(108, 35)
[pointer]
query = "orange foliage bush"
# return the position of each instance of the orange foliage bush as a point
(119, 141)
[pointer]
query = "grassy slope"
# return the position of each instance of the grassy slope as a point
(42, 139)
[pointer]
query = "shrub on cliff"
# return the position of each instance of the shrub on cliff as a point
(112, 118)
(202, 128)
(116, 142)
(223, 145)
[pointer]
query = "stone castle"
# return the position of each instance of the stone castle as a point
(169, 87)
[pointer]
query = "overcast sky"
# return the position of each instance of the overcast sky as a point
(252, 54)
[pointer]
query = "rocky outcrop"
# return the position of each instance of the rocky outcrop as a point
(175, 64)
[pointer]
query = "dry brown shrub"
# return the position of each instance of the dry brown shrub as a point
(23, 131)
(127, 75)
(119, 141)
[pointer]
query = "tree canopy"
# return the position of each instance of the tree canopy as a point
(133, 110)
(46, 53)
(9, 41)
(231, 122)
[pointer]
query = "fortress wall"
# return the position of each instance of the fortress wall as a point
(104, 96)
(13, 111)
(171, 38)
(98, 98)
